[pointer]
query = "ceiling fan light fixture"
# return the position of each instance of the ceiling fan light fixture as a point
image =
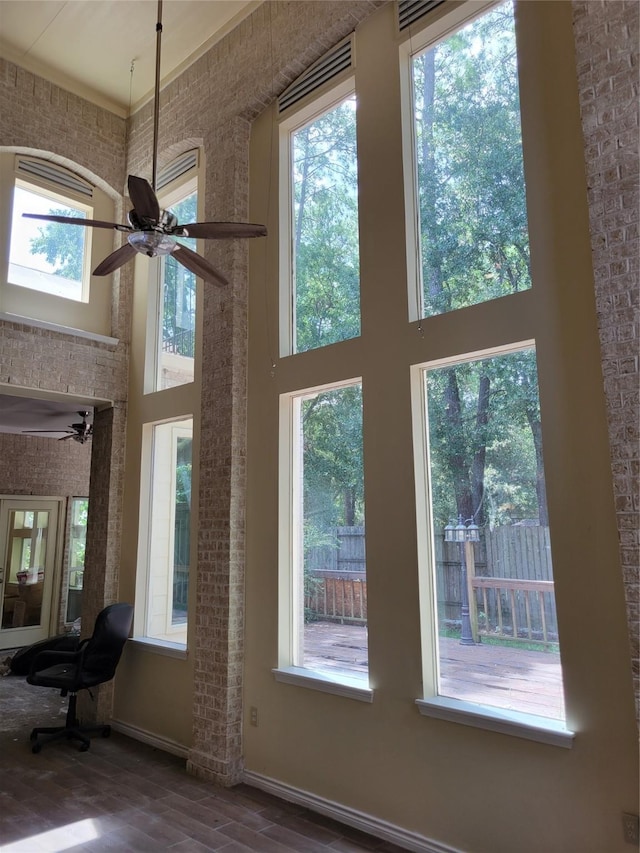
(151, 243)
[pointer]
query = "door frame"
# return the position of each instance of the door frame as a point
(51, 625)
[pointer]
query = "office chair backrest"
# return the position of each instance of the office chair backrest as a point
(103, 650)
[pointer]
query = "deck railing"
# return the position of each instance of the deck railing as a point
(502, 599)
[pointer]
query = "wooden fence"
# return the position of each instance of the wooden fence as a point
(510, 582)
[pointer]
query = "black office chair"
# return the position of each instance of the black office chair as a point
(92, 663)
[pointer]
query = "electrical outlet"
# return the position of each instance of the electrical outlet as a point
(631, 828)
(253, 715)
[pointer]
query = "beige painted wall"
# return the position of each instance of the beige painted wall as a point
(464, 787)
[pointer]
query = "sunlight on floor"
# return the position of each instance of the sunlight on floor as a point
(56, 840)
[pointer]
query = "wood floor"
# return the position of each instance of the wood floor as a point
(125, 796)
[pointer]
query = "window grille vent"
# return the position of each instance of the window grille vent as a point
(332, 63)
(55, 175)
(177, 168)
(411, 10)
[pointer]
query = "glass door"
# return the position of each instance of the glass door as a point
(28, 538)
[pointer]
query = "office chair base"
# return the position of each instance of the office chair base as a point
(76, 732)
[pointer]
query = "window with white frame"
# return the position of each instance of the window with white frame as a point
(175, 296)
(164, 586)
(491, 636)
(495, 623)
(324, 248)
(53, 259)
(473, 236)
(325, 562)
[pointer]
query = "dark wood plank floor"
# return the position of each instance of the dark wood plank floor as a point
(125, 796)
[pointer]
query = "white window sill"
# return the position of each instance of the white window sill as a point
(55, 327)
(161, 647)
(513, 723)
(339, 685)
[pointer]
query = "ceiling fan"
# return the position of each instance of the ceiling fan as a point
(80, 432)
(152, 231)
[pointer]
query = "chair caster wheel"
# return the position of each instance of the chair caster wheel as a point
(33, 736)
(106, 732)
(83, 747)
(35, 749)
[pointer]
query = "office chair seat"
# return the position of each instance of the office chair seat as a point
(93, 662)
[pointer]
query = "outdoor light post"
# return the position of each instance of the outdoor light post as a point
(463, 533)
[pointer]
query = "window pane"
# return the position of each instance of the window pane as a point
(178, 327)
(168, 555)
(496, 615)
(331, 554)
(471, 191)
(77, 546)
(47, 256)
(325, 229)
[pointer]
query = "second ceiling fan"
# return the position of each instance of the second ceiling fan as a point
(152, 231)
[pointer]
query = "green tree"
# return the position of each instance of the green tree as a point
(333, 461)
(62, 245)
(179, 291)
(326, 252)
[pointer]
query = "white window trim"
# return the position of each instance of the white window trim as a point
(289, 667)
(89, 319)
(432, 704)
(68, 198)
(338, 685)
(287, 127)
(515, 723)
(440, 27)
(174, 192)
(141, 616)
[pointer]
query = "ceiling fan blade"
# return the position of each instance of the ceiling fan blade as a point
(143, 198)
(198, 265)
(115, 260)
(29, 431)
(74, 220)
(221, 230)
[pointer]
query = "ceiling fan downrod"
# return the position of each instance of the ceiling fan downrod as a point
(156, 104)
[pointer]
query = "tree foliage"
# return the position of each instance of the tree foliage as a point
(326, 253)
(62, 245)
(179, 291)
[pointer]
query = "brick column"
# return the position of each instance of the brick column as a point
(607, 37)
(102, 557)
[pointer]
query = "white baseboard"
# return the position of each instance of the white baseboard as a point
(351, 817)
(143, 735)
(343, 814)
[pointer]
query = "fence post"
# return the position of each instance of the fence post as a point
(471, 594)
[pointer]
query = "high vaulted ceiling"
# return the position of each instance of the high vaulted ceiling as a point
(89, 46)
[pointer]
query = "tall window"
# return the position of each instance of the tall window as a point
(471, 192)
(166, 584)
(324, 178)
(327, 533)
(50, 257)
(178, 308)
(480, 462)
(497, 634)
(79, 511)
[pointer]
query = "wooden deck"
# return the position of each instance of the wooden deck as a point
(500, 676)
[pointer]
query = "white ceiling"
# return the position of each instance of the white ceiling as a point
(88, 46)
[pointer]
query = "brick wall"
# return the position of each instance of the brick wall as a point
(607, 38)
